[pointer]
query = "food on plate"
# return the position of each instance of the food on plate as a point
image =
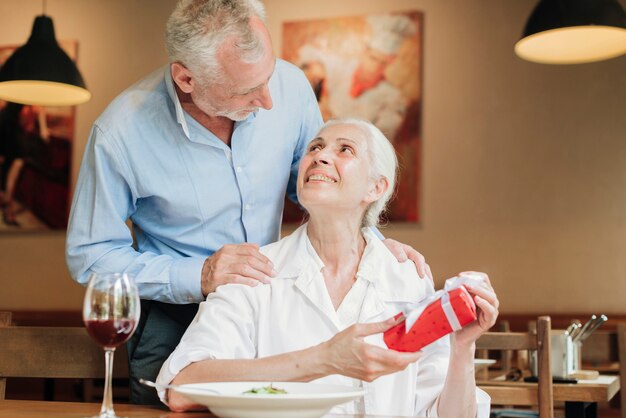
(266, 390)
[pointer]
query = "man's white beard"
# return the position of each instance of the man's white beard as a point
(236, 115)
(207, 107)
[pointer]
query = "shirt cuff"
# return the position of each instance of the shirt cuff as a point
(185, 280)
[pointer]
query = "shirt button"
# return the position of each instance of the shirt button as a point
(248, 207)
(239, 169)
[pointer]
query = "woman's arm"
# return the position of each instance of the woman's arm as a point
(296, 366)
(458, 396)
(346, 353)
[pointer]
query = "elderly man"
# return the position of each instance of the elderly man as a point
(199, 156)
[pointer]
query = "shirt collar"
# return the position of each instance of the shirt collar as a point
(180, 115)
(394, 281)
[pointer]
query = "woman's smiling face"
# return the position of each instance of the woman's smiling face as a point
(335, 171)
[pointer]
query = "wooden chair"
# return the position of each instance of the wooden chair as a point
(621, 347)
(5, 321)
(52, 352)
(504, 361)
(516, 393)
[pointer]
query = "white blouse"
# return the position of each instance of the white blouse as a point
(295, 312)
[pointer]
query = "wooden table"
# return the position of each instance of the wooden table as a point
(580, 398)
(38, 409)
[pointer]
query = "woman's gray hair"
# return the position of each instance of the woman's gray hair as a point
(383, 163)
(196, 29)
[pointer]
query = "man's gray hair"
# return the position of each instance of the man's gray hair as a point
(197, 28)
(383, 163)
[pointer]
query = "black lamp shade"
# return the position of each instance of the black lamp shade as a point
(41, 73)
(573, 31)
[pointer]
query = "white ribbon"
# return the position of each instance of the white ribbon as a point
(414, 311)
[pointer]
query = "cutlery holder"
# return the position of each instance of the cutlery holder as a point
(564, 355)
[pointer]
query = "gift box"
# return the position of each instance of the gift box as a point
(446, 311)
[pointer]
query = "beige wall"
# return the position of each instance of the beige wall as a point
(119, 42)
(524, 165)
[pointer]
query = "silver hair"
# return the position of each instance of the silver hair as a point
(197, 28)
(383, 163)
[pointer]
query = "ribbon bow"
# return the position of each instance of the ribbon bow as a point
(413, 311)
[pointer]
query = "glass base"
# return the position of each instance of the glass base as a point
(109, 414)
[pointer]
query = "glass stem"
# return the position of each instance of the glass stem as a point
(107, 398)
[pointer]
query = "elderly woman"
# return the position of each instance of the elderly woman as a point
(337, 289)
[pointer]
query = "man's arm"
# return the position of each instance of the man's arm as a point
(98, 238)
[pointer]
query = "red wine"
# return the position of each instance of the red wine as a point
(110, 333)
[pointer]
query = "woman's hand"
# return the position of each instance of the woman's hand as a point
(486, 309)
(348, 354)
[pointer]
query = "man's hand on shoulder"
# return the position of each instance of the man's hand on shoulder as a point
(236, 263)
(404, 252)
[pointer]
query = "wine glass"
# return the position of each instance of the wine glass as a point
(110, 313)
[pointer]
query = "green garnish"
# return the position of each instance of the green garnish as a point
(266, 390)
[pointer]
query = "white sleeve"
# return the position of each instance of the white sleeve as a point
(483, 404)
(225, 327)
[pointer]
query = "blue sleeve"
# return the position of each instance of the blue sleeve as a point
(99, 239)
(311, 121)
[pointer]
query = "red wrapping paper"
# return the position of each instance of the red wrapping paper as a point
(432, 323)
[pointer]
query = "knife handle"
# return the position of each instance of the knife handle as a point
(584, 328)
(601, 320)
(577, 328)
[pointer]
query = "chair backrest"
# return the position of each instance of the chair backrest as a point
(5, 321)
(523, 394)
(621, 348)
(504, 356)
(52, 352)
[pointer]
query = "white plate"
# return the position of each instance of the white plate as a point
(302, 400)
(482, 363)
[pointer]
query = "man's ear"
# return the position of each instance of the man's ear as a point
(377, 190)
(182, 77)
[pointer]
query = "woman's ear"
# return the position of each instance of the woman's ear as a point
(377, 190)
(182, 77)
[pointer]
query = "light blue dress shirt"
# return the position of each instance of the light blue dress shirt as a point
(186, 192)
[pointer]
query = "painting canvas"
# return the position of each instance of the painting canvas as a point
(35, 161)
(368, 67)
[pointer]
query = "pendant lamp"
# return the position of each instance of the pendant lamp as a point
(573, 32)
(41, 73)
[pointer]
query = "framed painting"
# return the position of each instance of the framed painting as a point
(368, 67)
(35, 161)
